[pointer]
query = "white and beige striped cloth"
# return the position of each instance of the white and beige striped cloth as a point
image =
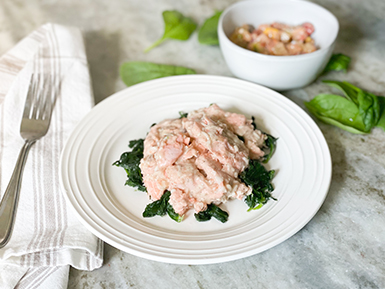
(47, 237)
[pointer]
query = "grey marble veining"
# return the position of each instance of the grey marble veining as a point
(343, 246)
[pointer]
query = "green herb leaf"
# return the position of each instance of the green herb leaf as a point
(177, 26)
(366, 102)
(338, 111)
(130, 162)
(349, 90)
(259, 179)
(212, 211)
(381, 121)
(208, 32)
(338, 62)
(136, 71)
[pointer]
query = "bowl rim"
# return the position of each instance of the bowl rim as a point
(319, 52)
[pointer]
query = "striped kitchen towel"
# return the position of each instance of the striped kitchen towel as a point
(47, 238)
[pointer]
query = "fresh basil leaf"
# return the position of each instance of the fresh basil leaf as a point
(367, 103)
(381, 121)
(136, 71)
(157, 208)
(349, 90)
(212, 211)
(368, 108)
(130, 162)
(208, 34)
(337, 110)
(177, 26)
(338, 62)
(259, 179)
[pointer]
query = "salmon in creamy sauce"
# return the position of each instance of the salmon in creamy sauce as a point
(199, 158)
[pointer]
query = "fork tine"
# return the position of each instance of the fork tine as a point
(30, 96)
(36, 98)
(46, 109)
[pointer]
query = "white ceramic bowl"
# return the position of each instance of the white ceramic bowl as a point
(278, 72)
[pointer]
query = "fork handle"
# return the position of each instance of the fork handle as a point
(8, 205)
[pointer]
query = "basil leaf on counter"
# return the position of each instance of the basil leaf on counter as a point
(366, 103)
(137, 71)
(177, 26)
(338, 62)
(349, 90)
(338, 111)
(381, 121)
(208, 34)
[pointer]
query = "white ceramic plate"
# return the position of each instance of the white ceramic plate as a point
(113, 212)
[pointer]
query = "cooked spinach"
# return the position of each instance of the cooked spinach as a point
(259, 179)
(212, 211)
(157, 208)
(253, 122)
(182, 114)
(176, 26)
(270, 144)
(130, 162)
(208, 32)
(241, 138)
(138, 71)
(173, 215)
(162, 207)
(338, 62)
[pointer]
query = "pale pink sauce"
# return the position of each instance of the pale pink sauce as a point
(199, 158)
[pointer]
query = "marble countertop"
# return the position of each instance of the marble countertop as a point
(343, 246)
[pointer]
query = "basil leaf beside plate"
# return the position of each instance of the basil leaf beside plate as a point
(338, 62)
(359, 112)
(176, 26)
(137, 71)
(381, 121)
(367, 103)
(208, 33)
(338, 111)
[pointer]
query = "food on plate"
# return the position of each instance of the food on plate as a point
(276, 38)
(199, 161)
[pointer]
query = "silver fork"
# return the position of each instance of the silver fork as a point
(34, 125)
